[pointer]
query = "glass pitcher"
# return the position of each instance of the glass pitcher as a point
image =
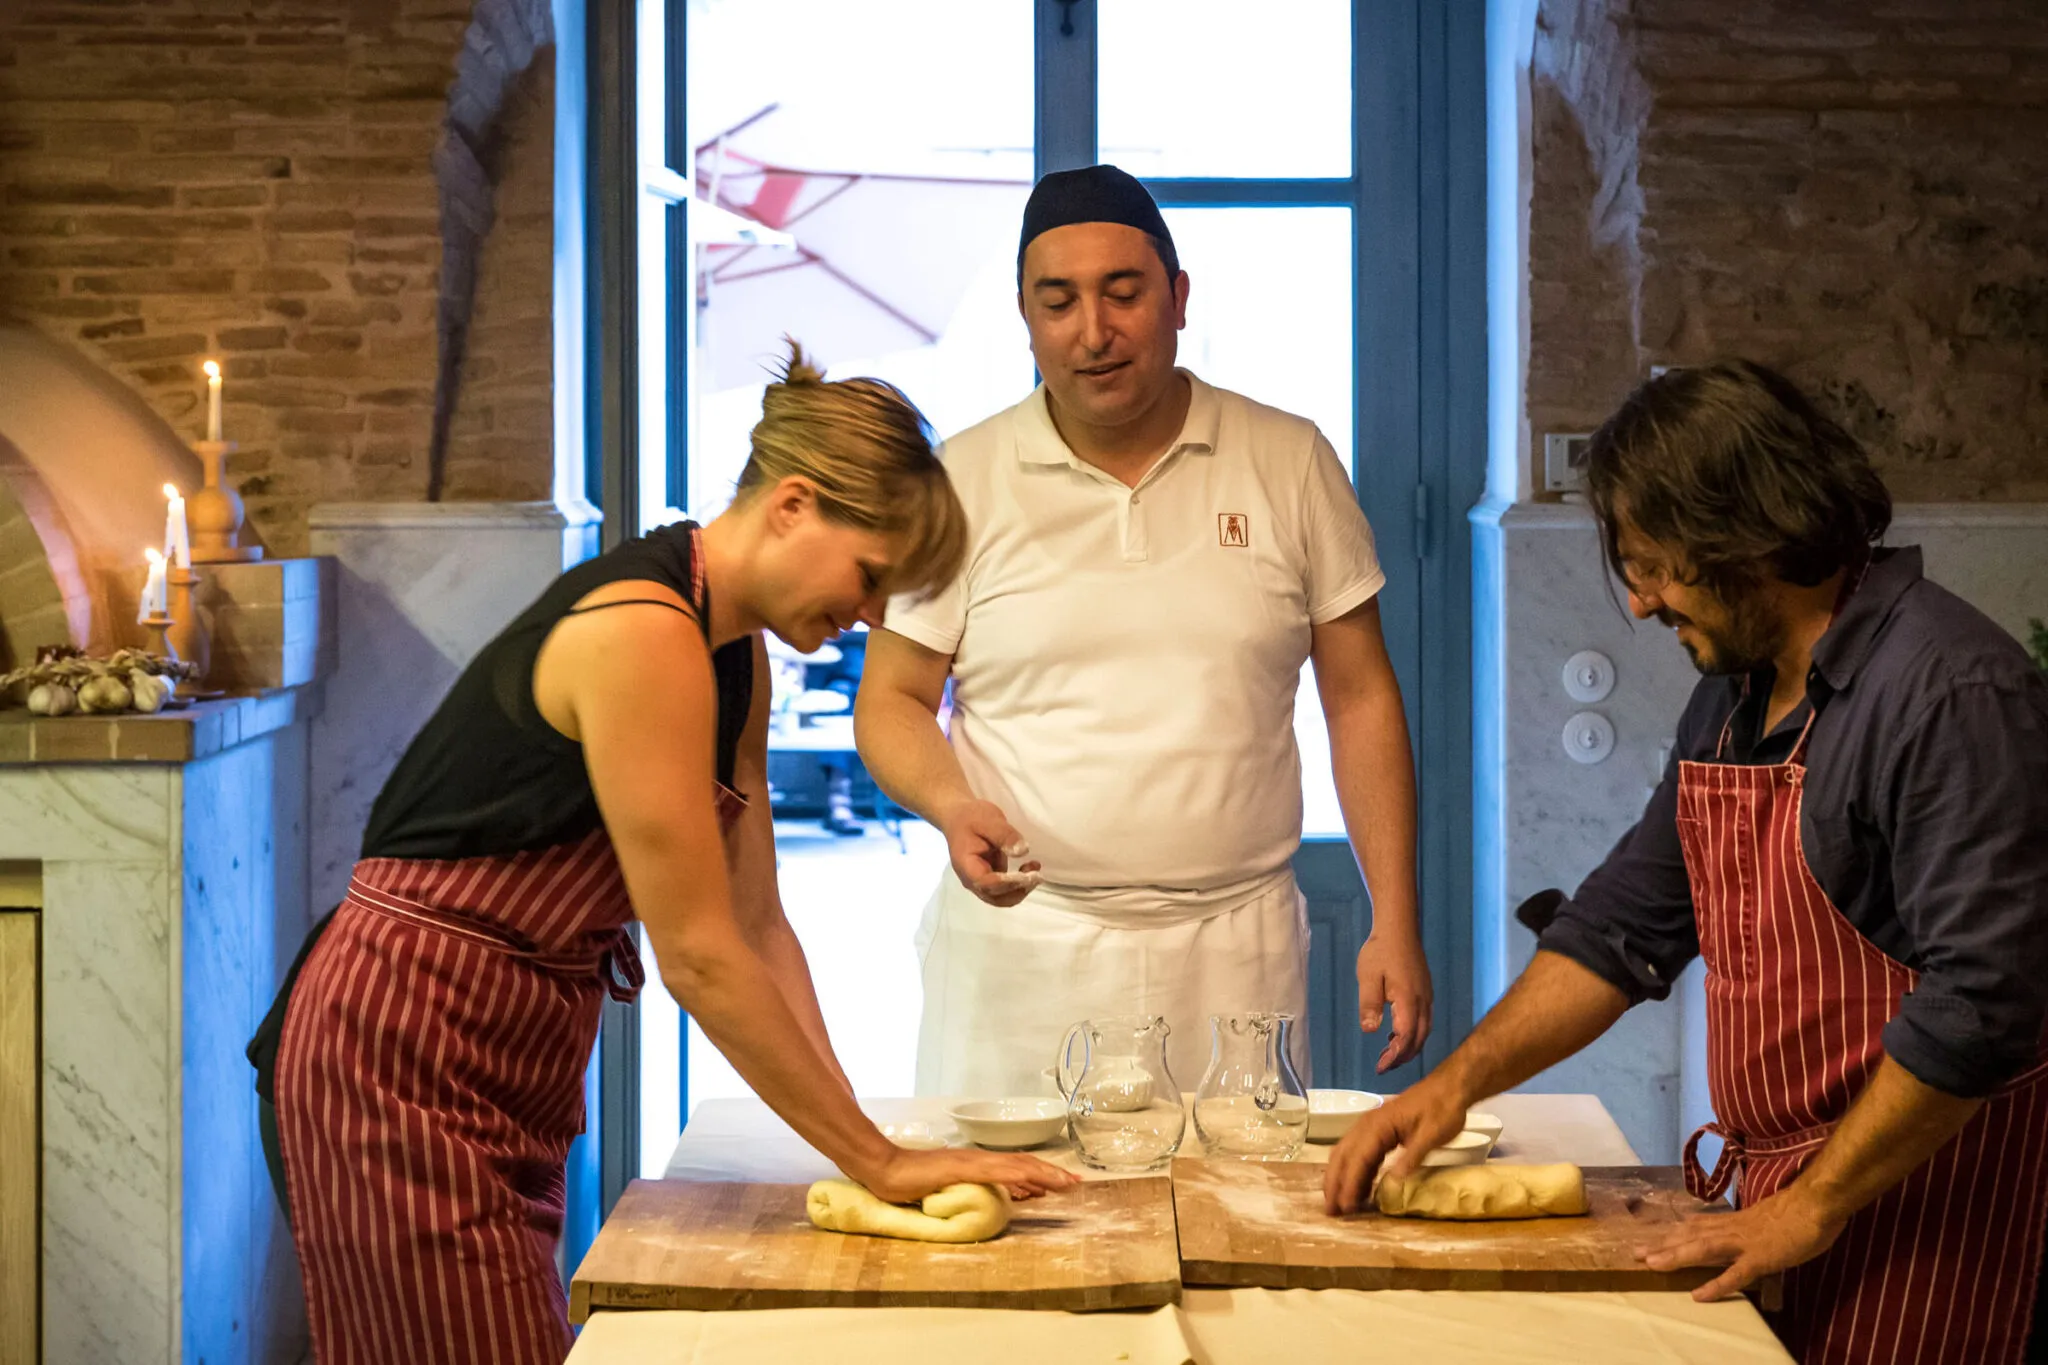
(1122, 1104)
(1251, 1104)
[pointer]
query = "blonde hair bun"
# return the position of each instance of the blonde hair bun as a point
(869, 453)
(799, 368)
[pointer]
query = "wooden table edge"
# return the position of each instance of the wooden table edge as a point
(1767, 1294)
(1230, 1275)
(1147, 1294)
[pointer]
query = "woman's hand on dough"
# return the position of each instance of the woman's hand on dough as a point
(908, 1176)
(1769, 1237)
(1399, 1133)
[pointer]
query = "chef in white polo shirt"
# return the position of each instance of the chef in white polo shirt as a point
(1153, 560)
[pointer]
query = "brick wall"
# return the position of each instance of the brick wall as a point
(185, 178)
(1855, 191)
(1587, 107)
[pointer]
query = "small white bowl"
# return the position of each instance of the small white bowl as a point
(1332, 1112)
(1466, 1149)
(1118, 1085)
(1477, 1121)
(1009, 1125)
(913, 1136)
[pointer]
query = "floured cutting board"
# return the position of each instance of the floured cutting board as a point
(695, 1244)
(1247, 1223)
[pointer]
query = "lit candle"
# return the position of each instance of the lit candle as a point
(156, 596)
(212, 400)
(177, 541)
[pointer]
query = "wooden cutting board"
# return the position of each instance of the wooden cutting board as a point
(1246, 1223)
(707, 1245)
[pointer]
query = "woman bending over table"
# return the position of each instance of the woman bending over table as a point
(594, 763)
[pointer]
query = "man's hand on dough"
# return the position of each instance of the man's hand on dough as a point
(982, 844)
(1399, 1133)
(908, 1176)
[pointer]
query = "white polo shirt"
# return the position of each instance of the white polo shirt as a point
(1125, 660)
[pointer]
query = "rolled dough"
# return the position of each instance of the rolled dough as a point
(1481, 1192)
(958, 1213)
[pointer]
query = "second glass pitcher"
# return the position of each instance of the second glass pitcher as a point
(1251, 1104)
(1122, 1104)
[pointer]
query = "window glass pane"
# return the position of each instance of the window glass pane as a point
(1225, 88)
(1269, 315)
(890, 145)
(858, 176)
(855, 905)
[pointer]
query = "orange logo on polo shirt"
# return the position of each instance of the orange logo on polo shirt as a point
(1233, 529)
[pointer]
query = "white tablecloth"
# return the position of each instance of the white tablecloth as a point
(742, 1140)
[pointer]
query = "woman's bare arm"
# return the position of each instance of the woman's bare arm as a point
(634, 686)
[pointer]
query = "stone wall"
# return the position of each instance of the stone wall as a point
(251, 180)
(1850, 190)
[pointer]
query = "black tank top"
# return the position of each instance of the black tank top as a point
(488, 776)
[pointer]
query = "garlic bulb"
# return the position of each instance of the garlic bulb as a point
(105, 693)
(52, 699)
(149, 691)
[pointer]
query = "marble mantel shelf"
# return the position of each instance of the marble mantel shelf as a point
(194, 732)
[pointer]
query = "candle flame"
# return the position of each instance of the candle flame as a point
(171, 491)
(212, 368)
(154, 555)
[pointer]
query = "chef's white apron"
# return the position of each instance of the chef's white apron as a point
(1002, 986)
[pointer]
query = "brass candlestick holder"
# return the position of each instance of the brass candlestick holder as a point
(184, 635)
(214, 513)
(157, 631)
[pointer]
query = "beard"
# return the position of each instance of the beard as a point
(1742, 641)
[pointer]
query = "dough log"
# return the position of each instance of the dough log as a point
(1481, 1192)
(958, 1213)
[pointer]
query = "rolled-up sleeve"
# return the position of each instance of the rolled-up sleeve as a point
(1969, 832)
(1631, 921)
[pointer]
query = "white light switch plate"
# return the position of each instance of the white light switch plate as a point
(1564, 460)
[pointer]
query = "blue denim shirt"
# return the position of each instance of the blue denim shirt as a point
(1925, 819)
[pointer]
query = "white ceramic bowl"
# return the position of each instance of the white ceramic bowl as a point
(1477, 1121)
(1466, 1149)
(1332, 1112)
(1009, 1125)
(913, 1135)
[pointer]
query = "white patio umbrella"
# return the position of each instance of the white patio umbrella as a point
(711, 225)
(879, 263)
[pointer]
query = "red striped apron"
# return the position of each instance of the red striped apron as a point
(429, 1083)
(1942, 1267)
